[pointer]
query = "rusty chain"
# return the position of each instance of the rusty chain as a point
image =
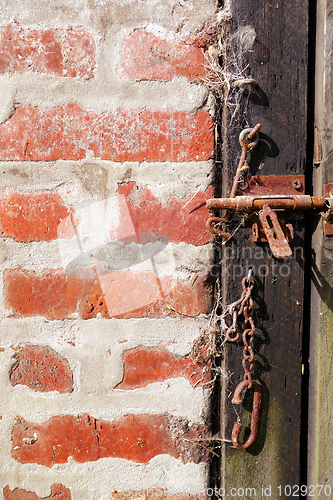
(241, 313)
(243, 307)
(248, 334)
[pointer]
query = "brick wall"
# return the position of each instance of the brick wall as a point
(106, 146)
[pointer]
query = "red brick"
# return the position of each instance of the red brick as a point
(138, 438)
(32, 216)
(50, 294)
(68, 132)
(131, 295)
(143, 366)
(118, 294)
(56, 52)
(58, 492)
(41, 369)
(79, 52)
(180, 220)
(147, 57)
(85, 439)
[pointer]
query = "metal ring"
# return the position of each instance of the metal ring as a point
(254, 140)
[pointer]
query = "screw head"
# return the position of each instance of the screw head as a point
(297, 184)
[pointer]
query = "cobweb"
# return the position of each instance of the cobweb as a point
(228, 76)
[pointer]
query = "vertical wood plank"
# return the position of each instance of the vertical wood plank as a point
(321, 344)
(279, 64)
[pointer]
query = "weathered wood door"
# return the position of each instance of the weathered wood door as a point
(320, 463)
(281, 61)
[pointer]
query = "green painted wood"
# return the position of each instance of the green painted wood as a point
(321, 345)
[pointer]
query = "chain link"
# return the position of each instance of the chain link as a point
(243, 308)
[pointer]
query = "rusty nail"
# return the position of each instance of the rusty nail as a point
(210, 225)
(297, 184)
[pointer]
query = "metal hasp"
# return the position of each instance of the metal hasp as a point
(264, 196)
(275, 236)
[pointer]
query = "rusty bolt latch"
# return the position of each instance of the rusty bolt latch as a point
(266, 204)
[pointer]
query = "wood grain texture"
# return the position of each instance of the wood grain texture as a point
(279, 64)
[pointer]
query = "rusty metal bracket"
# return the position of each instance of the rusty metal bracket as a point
(258, 234)
(273, 185)
(264, 196)
(274, 233)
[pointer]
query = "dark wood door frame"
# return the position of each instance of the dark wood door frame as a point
(282, 62)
